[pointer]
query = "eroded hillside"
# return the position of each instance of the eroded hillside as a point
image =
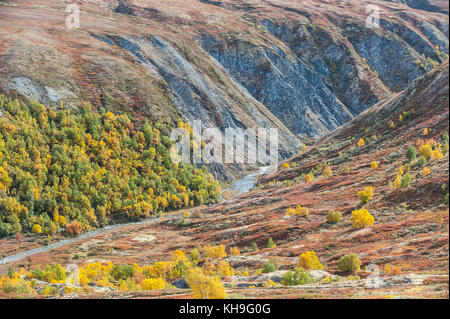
(313, 65)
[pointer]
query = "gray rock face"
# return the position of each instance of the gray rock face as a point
(334, 62)
(284, 84)
(35, 90)
(427, 5)
(394, 64)
(321, 81)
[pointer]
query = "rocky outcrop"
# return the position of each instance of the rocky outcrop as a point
(284, 84)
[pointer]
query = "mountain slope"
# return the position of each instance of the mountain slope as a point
(313, 66)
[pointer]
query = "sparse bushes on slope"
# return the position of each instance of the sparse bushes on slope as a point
(422, 161)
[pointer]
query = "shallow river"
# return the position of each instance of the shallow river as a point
(246, 183)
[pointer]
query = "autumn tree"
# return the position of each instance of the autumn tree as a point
(205, 287)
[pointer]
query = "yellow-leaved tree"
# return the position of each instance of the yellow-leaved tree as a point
(299, 211)
(327, 171)
(309, 260)
(205, 287)
(362, 218)
(366, 195)
(308, 178)
(361, 142)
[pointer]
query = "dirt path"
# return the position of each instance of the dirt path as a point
(84, 236)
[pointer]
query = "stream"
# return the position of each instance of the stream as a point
(239, 187)
(245, 184)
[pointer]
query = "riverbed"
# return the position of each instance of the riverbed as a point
(243, 185)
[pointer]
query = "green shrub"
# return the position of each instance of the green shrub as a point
(270, 243)
(349, 263)
(411, 153)
(182, 223)
(119, 272)
(422, 161)
(297, 277)
(334, 217)
(406, 179)
(51, 272)
(5, 229)
(270, 266)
